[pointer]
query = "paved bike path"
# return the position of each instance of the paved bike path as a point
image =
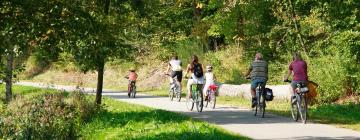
(239, 120)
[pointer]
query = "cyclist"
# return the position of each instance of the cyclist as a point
(132, 76)
(298, 68)
(197, 75)
(209, 79)
(258, 72)
(176, 69)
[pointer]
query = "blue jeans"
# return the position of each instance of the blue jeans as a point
(256, 81)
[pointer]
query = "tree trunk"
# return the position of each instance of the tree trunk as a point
(107, 6)
(297, 27)
(101, 66)
(9, 73)
(197, 11)
(100, 83)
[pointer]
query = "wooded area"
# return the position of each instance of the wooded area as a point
(94, 32)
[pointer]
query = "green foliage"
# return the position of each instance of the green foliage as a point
(45, 115)
(228, 65)
(337, 69)
(156, 29)
(328, 73)
(187, 48)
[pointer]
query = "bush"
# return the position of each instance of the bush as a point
(330, 75)
(83, 106)
(337, 70)
(48, 116)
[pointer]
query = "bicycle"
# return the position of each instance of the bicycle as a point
(174, 89)
(210, 96)
(196, 98)
(299, 107)
(131, 89)
(260, 99)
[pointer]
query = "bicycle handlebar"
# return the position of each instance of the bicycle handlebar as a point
(287, 81)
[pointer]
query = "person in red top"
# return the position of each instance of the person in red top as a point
(132, 76)
(298, 68)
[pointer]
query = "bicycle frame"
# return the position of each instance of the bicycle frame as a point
(194, 89)
(211, 96)
(175, 89)
(260, 99)
(299, 108)
(212, 90)
(195, 95)
(132, 89)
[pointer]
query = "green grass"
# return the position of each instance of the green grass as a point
(119, 120)
(128, 121)
(26, 91)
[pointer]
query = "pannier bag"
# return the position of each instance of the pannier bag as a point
(269, 96)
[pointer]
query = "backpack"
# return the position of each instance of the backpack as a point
(269, 95)
(198, 71)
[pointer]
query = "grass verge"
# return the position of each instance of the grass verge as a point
(119, 120)
(26, 91)
(128, 121)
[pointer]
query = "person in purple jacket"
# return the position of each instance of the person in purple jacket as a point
(298, 68)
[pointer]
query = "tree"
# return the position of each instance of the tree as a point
(95, 38)
(14, 36)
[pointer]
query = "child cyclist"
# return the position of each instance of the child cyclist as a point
(132, 76)
(209, 79)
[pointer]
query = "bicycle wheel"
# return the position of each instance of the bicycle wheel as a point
(212, 99)
(133, 91)
(199, 100)
(171, 94)
(207, 98)
(257, 102)
(189, 104)
(178, 93)
(303, 109)
(129, 90)
(294, 108)
(262, 105)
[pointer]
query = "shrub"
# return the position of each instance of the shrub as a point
(83, 106)
(330, 75)
(337, 69)
(48, 116)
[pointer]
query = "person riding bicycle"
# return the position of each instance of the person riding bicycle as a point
(298, 68)
(197, 75)
(132, 76)
(176, 69)
(209, 79)
(258, 72)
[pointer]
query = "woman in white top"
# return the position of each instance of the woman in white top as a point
(176, 69)
(209, 78)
